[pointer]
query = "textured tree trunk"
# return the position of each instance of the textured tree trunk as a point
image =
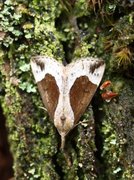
(102, 145)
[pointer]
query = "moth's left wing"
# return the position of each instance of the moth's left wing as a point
(84, 76)
(48, 75)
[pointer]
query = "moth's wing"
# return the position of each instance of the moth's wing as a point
(48, 75)
(84, 76)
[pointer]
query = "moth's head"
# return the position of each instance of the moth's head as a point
(63, 124)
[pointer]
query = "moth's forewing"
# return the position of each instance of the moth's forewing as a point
(81, 94)
(84, 76)
(47, 73)
(49, 92)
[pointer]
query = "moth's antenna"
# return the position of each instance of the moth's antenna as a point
(62, 142)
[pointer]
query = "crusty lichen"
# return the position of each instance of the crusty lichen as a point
(117, 120)
(67, 30)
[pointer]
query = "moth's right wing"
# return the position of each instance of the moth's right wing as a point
(84, 76)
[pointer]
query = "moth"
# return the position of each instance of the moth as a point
(66, 91)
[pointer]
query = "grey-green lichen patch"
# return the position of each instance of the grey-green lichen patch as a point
(86, 147)
(31, 135)
(116, 138)
(67, 31)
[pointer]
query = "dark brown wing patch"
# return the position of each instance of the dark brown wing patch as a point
(50, 93)
(81, 94)
(38, 62)
(96, 65)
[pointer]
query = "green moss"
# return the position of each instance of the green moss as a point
(32, 137)
(82, 51)
(115, 136)
(86, 147)
(66, 30)
(111, 151)
(120, 42)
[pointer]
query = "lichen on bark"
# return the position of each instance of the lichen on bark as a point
(101, 146)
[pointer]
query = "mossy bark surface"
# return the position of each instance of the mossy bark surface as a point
(102, 145)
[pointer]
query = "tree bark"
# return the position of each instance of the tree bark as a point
(102, 145)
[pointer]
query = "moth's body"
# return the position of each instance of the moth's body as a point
(66, 90)
(64, 117)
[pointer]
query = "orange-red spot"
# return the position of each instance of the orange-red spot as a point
(108, 95)
(105, 85)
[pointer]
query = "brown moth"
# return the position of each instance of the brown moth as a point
(66, 91)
